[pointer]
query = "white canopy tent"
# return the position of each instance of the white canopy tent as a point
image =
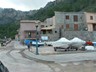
(77, 40)
(62, 40)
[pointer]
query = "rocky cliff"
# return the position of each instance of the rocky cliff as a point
(9, 15)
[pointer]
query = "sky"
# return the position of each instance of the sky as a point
(23, 5)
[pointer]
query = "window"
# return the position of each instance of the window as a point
(67, 26)
(75, 18)
(50, 31)
(44, 32)
(67, 17)
(55, 31)
(42, 26)
(91, 17)
(75, 26)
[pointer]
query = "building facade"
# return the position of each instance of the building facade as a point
(49, 29)
(28, 29)
(60, 25)
(91, 21)
(70, 21)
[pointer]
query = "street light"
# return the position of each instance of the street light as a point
(36, 41)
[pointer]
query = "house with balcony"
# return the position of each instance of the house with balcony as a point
(49, 28)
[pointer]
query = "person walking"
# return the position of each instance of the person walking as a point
(29, 45)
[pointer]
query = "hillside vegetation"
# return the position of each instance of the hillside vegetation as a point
(9, 18)
(10, 21)
(66, 6)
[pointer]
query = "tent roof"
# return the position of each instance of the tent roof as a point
(76, 39)
(63, 40)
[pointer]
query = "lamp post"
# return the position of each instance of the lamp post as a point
(60, 34)
(36, 41)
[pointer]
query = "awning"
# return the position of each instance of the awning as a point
(47, 28)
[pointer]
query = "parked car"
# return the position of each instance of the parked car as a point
(49, 43)
(3, 43)
(38, 42)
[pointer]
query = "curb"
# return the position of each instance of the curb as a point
(40, 58)
(34, 58)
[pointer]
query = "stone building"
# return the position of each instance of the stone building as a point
(70, 21)
(67, 22)
(48, 28)
(76, 21)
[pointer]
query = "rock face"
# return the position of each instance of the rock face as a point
(9, 15)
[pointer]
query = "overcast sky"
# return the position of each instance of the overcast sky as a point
(24, 5)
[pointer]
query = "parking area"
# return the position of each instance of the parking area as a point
(49, 50)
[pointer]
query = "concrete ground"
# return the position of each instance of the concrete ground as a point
(49, 50)
(17, 58)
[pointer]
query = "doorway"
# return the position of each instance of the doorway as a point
(94, 27)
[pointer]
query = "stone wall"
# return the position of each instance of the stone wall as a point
(85, 35)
